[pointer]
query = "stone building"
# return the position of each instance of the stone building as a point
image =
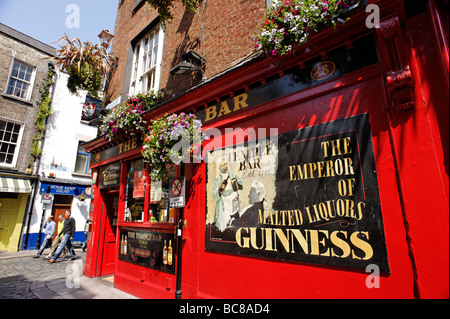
(24, 67)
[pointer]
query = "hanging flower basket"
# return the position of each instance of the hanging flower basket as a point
(171, 139)
(126, 119)
(87, 64)
(290, 23)
(82, 197)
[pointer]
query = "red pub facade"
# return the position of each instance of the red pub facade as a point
(326, 171)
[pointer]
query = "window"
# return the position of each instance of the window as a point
(21, 78)
(160, 210)
(10, 138)
(82, 161)
(135, 191)
(147, 62)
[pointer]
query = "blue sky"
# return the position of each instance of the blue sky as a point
(47, 20)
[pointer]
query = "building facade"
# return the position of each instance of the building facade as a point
(326, 171)
(64, 175)
(24, 69)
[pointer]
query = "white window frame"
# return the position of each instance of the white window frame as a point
(141, 69)
(18, 143)
(30, 83)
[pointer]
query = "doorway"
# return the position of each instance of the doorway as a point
(108, 233)
(61, 203)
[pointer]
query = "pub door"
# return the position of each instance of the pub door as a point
(108, 233)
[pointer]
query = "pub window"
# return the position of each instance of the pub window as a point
(135, 191)
(160, 210)
(147, 57)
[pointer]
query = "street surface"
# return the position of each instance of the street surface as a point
(24, 277)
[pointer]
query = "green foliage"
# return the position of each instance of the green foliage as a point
(164, 7)
(86, 78)
(43, 112)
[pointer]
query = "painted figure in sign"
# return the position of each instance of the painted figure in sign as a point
(249, 216)
(225, 193)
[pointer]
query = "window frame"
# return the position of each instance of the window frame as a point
(140, 71)
(88, 158)
(148, 206)
(18, 143)
(30, 83)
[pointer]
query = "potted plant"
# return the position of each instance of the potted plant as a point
(290, 23)
(87, 64)
(126, 118)
(171, 139)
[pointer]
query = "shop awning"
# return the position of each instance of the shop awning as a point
(14, 185)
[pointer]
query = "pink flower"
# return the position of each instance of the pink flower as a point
(274, 52)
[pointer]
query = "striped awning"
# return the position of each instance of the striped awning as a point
(14, 185)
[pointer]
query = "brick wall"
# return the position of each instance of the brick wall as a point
(222, 32)
(14, 109)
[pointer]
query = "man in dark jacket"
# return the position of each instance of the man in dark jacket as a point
(68, 232)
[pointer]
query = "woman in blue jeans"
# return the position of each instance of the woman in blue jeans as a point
(68, 232)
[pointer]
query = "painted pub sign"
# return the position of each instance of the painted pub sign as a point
(309, 195)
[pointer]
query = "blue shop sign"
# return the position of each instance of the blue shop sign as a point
(62, 189)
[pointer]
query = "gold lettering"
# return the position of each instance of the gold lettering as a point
(323, 243)
(240, 101)
(253, 238)
(340, 243)
(283, 238)
(361, 244)
(314, 240)
(324, 145)
(239, 239)
(224, 109)
(210, 113)
(296, 233)
(347, 145)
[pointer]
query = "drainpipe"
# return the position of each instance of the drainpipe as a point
(51, 67)
(178, 290)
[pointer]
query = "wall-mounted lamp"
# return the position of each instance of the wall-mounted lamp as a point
(192, 61)
(105, 38)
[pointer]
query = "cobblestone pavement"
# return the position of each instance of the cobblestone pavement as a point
(24, 277)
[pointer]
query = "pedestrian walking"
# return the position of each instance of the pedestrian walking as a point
(68, 232)
(58, 239)
(49, 230)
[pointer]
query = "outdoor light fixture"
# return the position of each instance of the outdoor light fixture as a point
(105, 38)
(192, 61)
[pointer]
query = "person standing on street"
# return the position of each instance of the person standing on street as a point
(68, 232)
(49, 230)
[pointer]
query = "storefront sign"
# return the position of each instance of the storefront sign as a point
(149, 249)
(116, 150)
(62, 189)
(110, 175)
(310, 195)
(339, 62)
